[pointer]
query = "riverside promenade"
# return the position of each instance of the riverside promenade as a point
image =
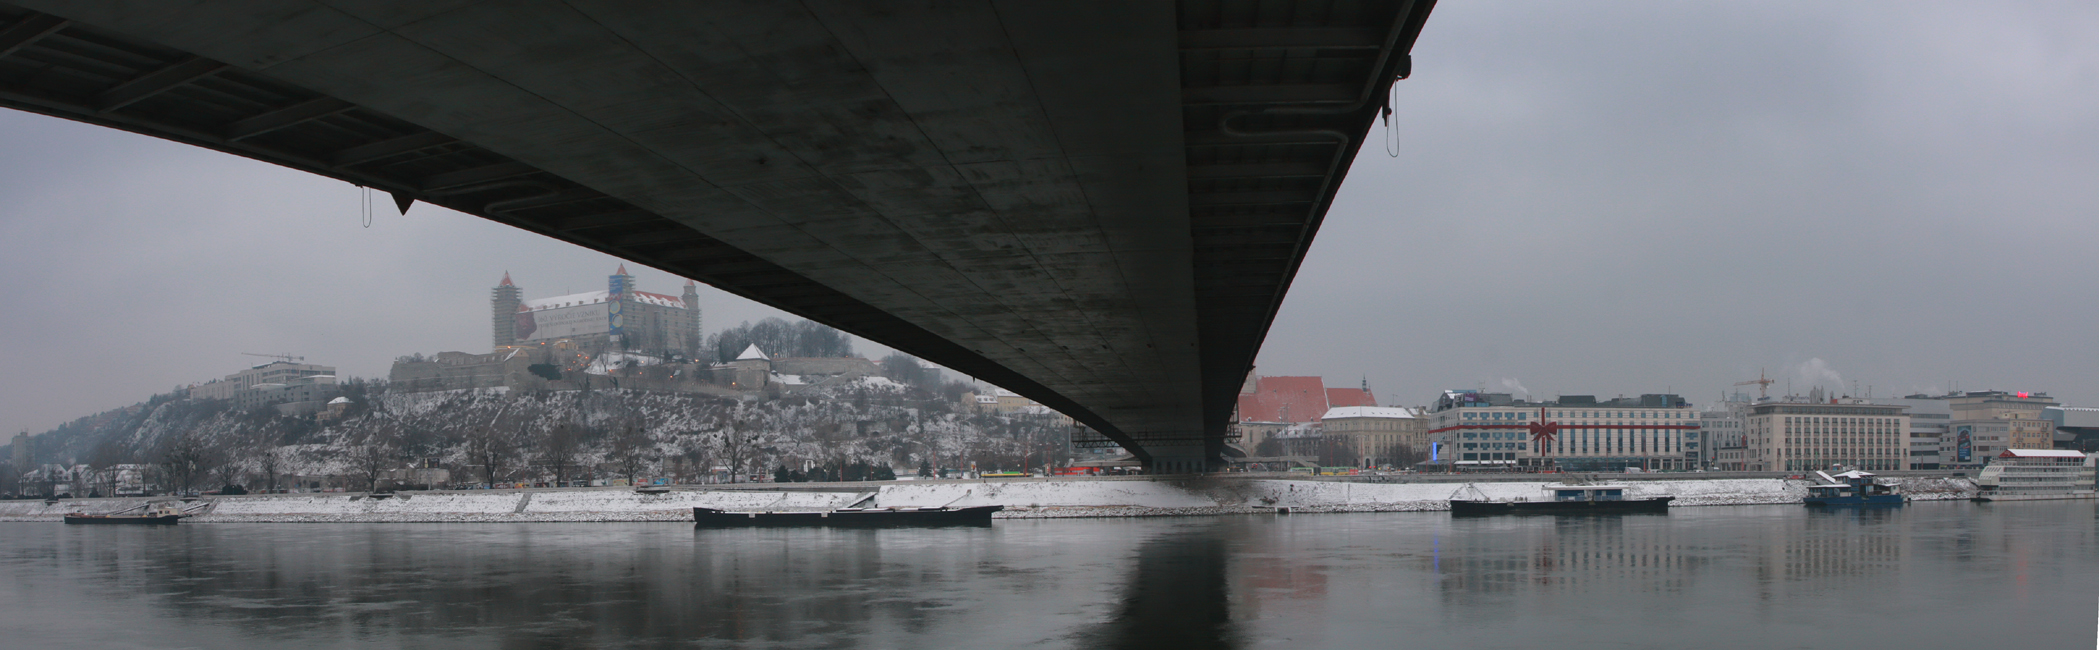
(1023, 498)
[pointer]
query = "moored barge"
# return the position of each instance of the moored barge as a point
(158, 514)
(847, 517)
(2037, 474)
(1852, 488)
(1560, 500)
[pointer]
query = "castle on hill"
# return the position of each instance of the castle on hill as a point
(620, 337)
(622, 317)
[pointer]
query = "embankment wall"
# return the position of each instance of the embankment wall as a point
(1024, 498)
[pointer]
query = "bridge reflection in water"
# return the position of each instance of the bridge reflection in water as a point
(1765, 576)
(1178, 594)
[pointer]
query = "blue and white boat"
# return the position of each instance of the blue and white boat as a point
(1852, 488)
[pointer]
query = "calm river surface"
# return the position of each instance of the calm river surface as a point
(1933, 575)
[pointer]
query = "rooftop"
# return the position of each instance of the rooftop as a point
(753, 353)
(2040, 453)
(595, 297)
(1367, 412)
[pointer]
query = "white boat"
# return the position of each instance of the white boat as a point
(2036, 475)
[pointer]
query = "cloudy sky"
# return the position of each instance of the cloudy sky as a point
(1618, 198)
(1598, 198)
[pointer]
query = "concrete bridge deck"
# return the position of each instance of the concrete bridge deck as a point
(1096, 204)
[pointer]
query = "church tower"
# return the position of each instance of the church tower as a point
(692, 307)
(505, 301)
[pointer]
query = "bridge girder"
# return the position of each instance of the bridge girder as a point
(1097, 205)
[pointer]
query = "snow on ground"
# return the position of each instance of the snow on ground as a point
(1022, 498)
(876, 382)
(609, 362)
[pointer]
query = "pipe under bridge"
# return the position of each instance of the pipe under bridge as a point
(1096, 204)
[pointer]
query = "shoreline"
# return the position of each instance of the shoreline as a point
(1037, 499)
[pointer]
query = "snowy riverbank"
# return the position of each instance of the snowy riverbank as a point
(1022, 498)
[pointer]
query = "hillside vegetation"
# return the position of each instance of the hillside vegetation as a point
(861, 429)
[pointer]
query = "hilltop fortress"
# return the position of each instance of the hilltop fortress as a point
(620, 337)
(622, 317)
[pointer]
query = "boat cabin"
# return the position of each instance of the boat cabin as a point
(1586, 492)
(1853, 483)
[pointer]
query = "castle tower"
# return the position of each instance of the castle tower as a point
(504, 302)
(692, 307)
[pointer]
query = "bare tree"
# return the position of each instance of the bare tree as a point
(559, 448)
(491, 448)
(696, 461)
(183, 461)
(269, 460)
(1337, 451)
(906, 369)
(1271, 447)
(738, 445)
(1403, 455)
(226, 472)
(630, 449)
(373, 458)
(104, 460)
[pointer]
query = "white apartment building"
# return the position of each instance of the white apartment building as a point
(1372, 436)
(274, 372)
(294, 388)
(1802, 434)
(1720, 426)
(1492, 431)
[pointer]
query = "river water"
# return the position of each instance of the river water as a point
(1932, 575)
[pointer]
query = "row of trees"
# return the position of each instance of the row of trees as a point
(497, 455)
(780, 338)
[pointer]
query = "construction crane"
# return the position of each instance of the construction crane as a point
(286, 357)
(1760, 381)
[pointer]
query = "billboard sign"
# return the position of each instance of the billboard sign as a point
(615, 318)
(1962, 441)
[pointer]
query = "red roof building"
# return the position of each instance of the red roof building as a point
(1292, 400)
(1339, 397)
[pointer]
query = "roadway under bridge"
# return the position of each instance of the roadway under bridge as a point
(1098, 204)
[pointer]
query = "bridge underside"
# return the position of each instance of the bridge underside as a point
(1098, 205)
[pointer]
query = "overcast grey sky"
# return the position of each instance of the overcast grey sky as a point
(1606, 198)
(1627, 197)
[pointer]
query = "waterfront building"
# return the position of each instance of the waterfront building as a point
(1492, 431)
(1800, 434)
(1373, 436)
(1721, 426)
(2075, 427)
(1732, 456)
(1985, 423)
(1304, 440)
(1267, 405)
(622, 317)
(1929, 445)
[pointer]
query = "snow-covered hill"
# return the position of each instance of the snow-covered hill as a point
(679, 435)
